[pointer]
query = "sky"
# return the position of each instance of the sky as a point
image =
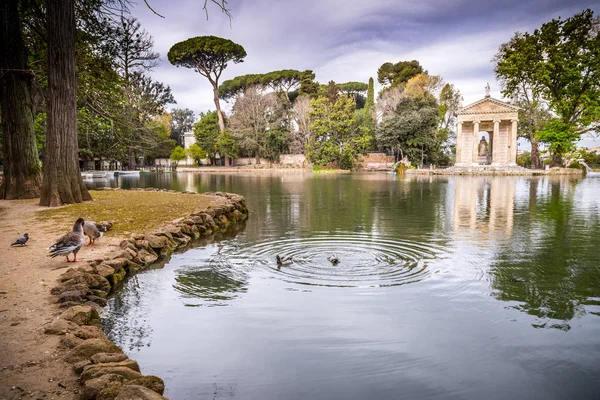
(347, 40)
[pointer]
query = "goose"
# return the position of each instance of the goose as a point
(283, 260)
(93, 231)
(69, 243)
(333, 259)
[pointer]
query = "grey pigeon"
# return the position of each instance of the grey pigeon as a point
(22, 240)
(93, 231)
(70, 242)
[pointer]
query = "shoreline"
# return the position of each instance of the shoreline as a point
(46, 325)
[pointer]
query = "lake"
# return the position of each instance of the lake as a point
(447, 288)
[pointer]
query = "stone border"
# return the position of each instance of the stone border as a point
(497, 171)
(106, 373)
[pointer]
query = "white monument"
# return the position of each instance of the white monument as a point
(499, 119)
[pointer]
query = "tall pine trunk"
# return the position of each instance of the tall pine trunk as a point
(535, 154)
(62, 182)
(22, 177)
(219, 114)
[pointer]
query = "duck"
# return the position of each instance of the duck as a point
(333, 259)
(70, 242)
(283, 260)
(93, 231)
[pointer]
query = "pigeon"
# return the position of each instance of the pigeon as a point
(93, 231)
(283, 260)
(333, 259)
(22, 240)
(70, 242)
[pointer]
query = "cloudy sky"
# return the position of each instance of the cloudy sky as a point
(347, 40)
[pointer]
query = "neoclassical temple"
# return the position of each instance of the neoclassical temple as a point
(496, 118)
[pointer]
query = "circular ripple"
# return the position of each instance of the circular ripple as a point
(365, 260)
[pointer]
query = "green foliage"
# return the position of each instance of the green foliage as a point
(177, 154)
(332, 91)
(370, 103)
(558, 65)
(237, 86)
(182, 122)
(308, 85)
(334, 138)
(206, 54)
(395, 74)
(206, 131)
(159, 145)
(284, 80)
(412, 131)
(353, 88)
(196, 153)
(524, 159)
(226, 144)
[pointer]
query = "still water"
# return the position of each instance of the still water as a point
(447, 288)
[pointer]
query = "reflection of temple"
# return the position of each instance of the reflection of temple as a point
(484, 204)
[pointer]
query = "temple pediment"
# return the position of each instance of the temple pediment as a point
(488, 105)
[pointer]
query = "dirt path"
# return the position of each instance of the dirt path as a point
(30, 361)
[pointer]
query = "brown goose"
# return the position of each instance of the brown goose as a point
(70, 242)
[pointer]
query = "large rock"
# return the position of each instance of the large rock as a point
(88, 332)
(145, 257)
(108, 358)
(80, 287)
(70, 341)
(60, 327)
(157, 242)
(104, 270)
(81, 315)
(93, 387)
(151, 382)
(96, 371)
(131, 392)
(89, 347)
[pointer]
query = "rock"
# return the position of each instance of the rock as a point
(237, 215)
(146, 257)
(143, 244)
(189, 221)
(98, 300)
(208, 220)
(138, 236)
(130, 392)
(126, 244)
(73, 296)
(78, 367)
(104, 270)
(172, 230)
(80, 287)
(177, 221)
(151, 382)
(81, 315)
(70, 341)
(97, 370)
(117, 263)
(157, 242)
(99, 293)
(185, 228)
(93, 387)
(181, 242)
(60, 327)
(89, 347)
(88, 332)
(132, 267)
(108, 358)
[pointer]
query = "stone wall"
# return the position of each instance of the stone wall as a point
(105, 371)
(238, 162)
(376, 162)
(296, 160)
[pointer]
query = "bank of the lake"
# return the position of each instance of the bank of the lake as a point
(33, 362)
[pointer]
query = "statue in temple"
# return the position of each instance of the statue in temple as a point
(483, 147)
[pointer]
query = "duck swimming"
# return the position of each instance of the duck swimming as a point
(333, 259)
(283, 260)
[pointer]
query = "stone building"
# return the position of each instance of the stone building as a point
(492, 118)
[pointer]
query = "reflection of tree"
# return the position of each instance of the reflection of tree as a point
(215, 286)
(551, 268)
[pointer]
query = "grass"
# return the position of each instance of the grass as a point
(129, 211)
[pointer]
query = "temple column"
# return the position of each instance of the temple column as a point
(512, 154)
(475, 144)
(459, 144)
(496, 142)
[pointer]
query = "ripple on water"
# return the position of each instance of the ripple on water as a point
(365, 260)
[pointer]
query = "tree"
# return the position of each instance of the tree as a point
(208, 55)
(257, 123)
(235, 87)
(370, 95)
(394, 74)
(22, 178)
(226, 144)
(559, 64)
(283, 80)
(62, 182)
(332, 91)
(196, 153)
(177, 155)
(301, 114)
(183, 121)
(412, 130)
(450, 100)
(308, 86)
(206, 131)
(422, 85)
(133, 48)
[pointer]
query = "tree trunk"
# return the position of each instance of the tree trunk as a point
(557, 160)
(62, 179)
(535, 154)
(22, 177)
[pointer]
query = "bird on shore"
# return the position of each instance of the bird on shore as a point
(93, 231)
(283, 260)
(333, 259)
(70, 242)
(22, 240)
